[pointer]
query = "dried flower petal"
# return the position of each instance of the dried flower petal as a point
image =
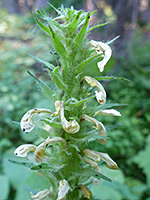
(111, 112)
(87, 193)
(26, 121)
(63, 189)
(98, 125)
(100, 48)
(71, 126)
(100, 94)
(24, 149)
(40, 195)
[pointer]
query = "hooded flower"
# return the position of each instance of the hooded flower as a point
(26, 121)
(71, 126)
(87, 193)
(100, 48)
(41, 195)
(111, 112)
(104, 156)
(98, 124)
(100, 94)
(40, 155)
(57, 107)
(109, 162)
(24, 149)
(63, 189)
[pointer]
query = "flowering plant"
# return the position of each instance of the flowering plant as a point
(63, 155)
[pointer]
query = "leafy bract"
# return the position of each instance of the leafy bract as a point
(45, 89)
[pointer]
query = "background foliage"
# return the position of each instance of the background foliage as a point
(130, 143)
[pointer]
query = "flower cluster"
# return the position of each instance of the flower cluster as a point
(69, 162)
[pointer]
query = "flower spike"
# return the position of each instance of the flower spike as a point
(24, 149)
(71, 126)
(98, 125)
(100, 94)
(26, 121)
(63, 189)
(111, 112)
(100, 48)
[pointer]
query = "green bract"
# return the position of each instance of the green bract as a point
(69, 127)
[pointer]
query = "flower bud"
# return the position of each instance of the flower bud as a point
(100, 94)
(26, 121)
(63, 189)
(110, 163)
(111, 112)
(90, 162)
(24, 149)
(92, 154)
(71, 126)
(87, 193)
(100, 48)
(40, 195)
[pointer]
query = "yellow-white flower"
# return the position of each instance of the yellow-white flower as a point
(62, 189)
(87, 193)
(71, 126)
(100, 94)
(90, 162)
(41, 195)
(26, 121)
(57, 107)
(40, 155)
(96, 156)
(100, 48)
(98, 124)
(24, 149)
(111, 112)
(92, 154)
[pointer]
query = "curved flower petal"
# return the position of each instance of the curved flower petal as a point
(92, 154)
(98, 125)
(111, 112)
(100, 48)
(63, 189)
(87, 193)
(91, 163)
(100, 94)
(40, 151)
(26, 121)
(110, 163)
(40, 195)
(57, 107)
(71, 126)
(24, 149)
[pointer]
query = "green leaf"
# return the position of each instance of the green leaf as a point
(90, 172)
(52, 123)
(41, 166)
(78, 103)
(44, 62)
(59, 12)
(111, 41)
(57, 80)
(99, 25)
(39, 12)
(73, 25)
(109, 105)
(42, 26)
(85, 63)
(111, 78)
(4, 186)
(24, 164)
(45, 89)
(59, 47)
(81, 35)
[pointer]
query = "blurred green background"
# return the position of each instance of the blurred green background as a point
(130, 141)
